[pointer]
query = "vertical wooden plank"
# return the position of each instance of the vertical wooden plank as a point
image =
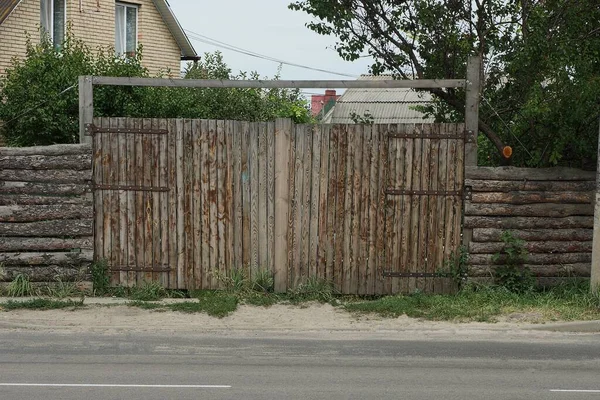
(212, 199)
(348, 261)
(253, 165)
(156, 214)
(313, 234)
(442, 283)
(306, 204)
(148, 201)
(98, 178)
(172, 176)
(406, 209)
(237, 195)
(246, 205)
(187, 168)
(298, 207)
(123, 220)
(195, 280)
(371, 212)
(434, 211)
(355, 257)
(459, 184)
(180, 179)
(342, 181)
(415, 212)
(229, 212)
(332, 150)
(383, 166)
(270, 187)
(450, 200)
(322, 240)
(221, 201)
(86, 106)
(283, 178)
(364, 206)
(424, 206)
(393, 210)
(164, 203)
(262, 196)
(107, 198)
(205, 195)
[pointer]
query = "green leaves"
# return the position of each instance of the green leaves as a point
(38, 111)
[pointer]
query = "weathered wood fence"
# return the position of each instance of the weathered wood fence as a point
(374, 209)
(550, 209)
(46, 212)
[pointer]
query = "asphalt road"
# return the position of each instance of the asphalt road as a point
(83, 366)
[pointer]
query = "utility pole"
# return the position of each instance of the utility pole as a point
(595, 272)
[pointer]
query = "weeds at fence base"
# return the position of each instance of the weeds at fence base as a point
(41, 304)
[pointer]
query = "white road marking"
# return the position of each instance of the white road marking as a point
(110, 385)
(575, 390)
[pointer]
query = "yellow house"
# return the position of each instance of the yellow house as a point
(99, 23)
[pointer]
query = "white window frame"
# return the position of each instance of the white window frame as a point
(137, 19)
(49, 30)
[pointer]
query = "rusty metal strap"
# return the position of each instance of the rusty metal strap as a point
(91, 130)
(137, 268)
(403, 192)
(415, 274)
(132, 188)
(465, 135)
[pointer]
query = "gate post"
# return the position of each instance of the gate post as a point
(283, 133)
(473, 89)
(86, 106)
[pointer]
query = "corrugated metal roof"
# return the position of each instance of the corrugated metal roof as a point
(187, 50)
(6, 7)
(384, 105)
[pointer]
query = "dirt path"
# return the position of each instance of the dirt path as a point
(313, 319)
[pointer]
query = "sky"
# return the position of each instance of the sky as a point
(266, 27)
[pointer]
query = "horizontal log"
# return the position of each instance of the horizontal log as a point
(528, 222)
(541, 282)
(27, 199)
(38, 162)
(529, 210)
(537, 259)
(494, 235)
(533, 247)
(520, 197)
(56, 228)
(53, 150)
(530, 174)
(526, 185)
(68, 258)
(46, 273)
(46, 189)
(55, 176)
(559, 270)
(19, 213)
(15, 244)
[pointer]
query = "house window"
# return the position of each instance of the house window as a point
(53, 14)
(126, 29)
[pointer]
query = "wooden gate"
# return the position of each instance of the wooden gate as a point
(375, 209)
(424, 205)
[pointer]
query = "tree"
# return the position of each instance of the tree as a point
(541, 58)
(39, 100)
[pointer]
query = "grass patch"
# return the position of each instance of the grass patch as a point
(487, 304)
(20, 287)
(213, 303)
(41, 304)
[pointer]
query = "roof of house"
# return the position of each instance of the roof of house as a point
(6, 7)
(386, 106)
(187, 50)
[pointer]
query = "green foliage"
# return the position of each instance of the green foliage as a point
(366, 118)
(64, 289)
(313, 289)
(41, 304)
(541, 74)
(570, 301)
(39, 98)
(512, 274)
(457, 267)
(100, 277)
(147, 291)
(20, 287)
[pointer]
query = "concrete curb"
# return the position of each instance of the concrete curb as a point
(577, 326)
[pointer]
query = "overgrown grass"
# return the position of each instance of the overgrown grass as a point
(213, 303)
(41, 304)
(488, 304)
(20, 287)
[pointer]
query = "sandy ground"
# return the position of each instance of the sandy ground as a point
(318, 320)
